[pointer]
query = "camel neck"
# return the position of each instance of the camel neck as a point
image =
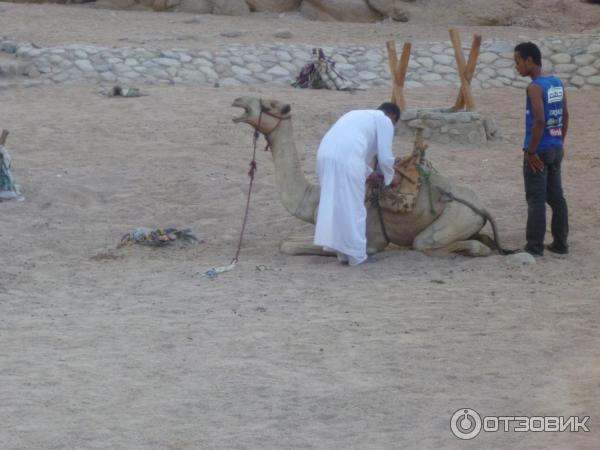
(298, 196)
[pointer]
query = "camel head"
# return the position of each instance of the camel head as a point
(262, 114)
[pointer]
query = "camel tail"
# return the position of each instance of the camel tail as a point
(483, 213)
(492, 221)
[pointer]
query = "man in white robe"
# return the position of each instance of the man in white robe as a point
(343, 168)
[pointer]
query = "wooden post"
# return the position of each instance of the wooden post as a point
(398, 71)
(3, 137)
(465, 86)
(392, 62)
(400, 76)
(470, 70)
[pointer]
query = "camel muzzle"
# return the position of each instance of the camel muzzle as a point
(239, 103)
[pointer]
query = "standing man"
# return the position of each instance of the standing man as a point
(546, 125)
(343, 168)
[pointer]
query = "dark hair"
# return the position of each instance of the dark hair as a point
(390, 108)
(529, 49)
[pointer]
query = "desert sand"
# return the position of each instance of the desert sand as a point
(105, 348)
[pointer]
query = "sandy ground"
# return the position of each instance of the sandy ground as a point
(132, 349)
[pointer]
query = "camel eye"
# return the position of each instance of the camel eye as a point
(286, 109)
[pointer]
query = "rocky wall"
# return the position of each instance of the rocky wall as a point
(575, 59)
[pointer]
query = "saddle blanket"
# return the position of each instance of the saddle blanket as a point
(402, 198)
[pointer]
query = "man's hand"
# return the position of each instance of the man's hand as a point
(534, 161)
(375, 179)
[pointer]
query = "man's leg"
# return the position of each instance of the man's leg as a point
(535, 194)
(556, 200)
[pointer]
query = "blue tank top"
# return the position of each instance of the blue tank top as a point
(553, 92)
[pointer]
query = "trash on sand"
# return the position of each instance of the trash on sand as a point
(157, 237)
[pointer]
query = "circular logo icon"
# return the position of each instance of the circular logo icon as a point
(465, 423)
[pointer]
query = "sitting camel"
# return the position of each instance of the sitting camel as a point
(444, 217)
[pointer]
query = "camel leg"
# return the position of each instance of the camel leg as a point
(485, 239)
(451, 232)
(302, 245)
(468, 248)
(376, 241)
(305, 246)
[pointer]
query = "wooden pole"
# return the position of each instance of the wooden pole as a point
(398, 71)
(470, 70)
(392, 62)
(3, 137)
(400, 76)
(460, 63)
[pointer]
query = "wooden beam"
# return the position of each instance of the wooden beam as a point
(400, 76)
(392, 62)
(3, 137)
(398, 71)
(460, 63)
(470, 70)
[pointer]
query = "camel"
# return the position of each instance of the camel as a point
(445, 217)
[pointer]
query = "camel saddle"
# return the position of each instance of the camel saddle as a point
(402, 198)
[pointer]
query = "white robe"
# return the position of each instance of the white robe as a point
(343, 167)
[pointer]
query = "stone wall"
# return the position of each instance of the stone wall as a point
(446, 126)
(574, 58)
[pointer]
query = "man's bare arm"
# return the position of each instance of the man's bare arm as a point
(535, 94)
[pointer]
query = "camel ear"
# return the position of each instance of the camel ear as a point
(286, 109)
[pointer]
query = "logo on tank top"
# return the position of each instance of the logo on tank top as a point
(555, 132)
(555, 94)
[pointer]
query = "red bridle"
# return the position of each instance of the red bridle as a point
(267, 134)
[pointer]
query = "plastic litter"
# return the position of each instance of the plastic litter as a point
(157, 237)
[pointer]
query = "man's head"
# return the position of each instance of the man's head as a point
(390, 110)
(528, 58)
